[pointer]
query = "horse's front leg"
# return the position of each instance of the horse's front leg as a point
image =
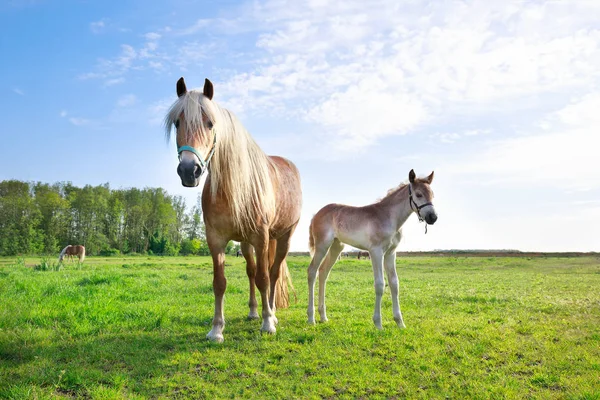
(261, 246)
(379, 283)
(217, 251)
(281, 250)
(390, 269)
(248, 253)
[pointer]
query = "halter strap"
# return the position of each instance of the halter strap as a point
(203, 163)
(417, 208)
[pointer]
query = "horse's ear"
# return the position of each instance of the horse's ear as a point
(208, 89)
(412, 176)
(429, 179)
(181, 89)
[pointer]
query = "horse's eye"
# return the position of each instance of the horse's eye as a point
(419, 195)
(209, 124)
(177, 124)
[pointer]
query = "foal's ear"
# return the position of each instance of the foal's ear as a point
(208, 89)
(181, 89)
(412, 176)
(429, 178)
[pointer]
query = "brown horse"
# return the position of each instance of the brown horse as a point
(376, 228)
(363, 254)
(248, 197)
(72, 250)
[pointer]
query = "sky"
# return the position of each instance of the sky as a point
(500, 98)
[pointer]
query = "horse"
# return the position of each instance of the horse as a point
(71, 251)
(377, 228)
(363, 254)
(248, 197)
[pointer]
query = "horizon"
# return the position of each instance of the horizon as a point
(499, 100)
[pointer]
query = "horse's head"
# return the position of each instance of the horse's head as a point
(421, 196)
(193, 117)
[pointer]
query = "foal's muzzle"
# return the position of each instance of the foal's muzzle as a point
(430, 218)
(189, 172)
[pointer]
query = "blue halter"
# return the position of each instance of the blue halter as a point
(203, 163)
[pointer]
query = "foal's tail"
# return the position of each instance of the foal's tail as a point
(282, 295)
(311, 239)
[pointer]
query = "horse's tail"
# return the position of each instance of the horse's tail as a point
(311, 239)
(62, 253)
(282, 295)
(81, 254)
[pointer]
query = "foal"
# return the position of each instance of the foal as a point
(376, 228)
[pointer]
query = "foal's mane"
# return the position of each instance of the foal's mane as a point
(392, 192)
(239, 169)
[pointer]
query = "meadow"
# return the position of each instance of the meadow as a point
(134, 328)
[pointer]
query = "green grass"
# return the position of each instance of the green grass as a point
(134, 327)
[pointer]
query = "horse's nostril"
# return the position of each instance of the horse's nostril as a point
(197, 171)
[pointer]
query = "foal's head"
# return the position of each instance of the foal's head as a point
(421, 196)
(193, 117)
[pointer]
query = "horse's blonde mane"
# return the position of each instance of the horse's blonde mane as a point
(239, 169)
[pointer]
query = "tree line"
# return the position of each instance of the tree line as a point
(42, 218)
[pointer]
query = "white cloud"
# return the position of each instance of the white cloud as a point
(79, 121)
(562, 153)
(152, 36)
(18, 91)
(63, 113)
(97, 26)
(368, 72)
(127, 100)
(114, 81)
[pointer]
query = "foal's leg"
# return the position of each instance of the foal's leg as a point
(377, 261)
(390, 269)
(332, 255)
(261, 246)
(248, 253)
(321, 249)
(217, 251)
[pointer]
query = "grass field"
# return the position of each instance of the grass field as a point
(135, 327)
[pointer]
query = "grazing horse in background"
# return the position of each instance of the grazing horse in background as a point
(363, 254)
(376, 228)
(70, 251)
(248, 197)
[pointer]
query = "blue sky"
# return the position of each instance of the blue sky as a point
(501, 99)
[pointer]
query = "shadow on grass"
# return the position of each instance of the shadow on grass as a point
(130, 361)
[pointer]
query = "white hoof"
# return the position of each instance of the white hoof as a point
(268, 328)
(253, 315)
(215, 337)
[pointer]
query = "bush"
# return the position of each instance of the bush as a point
(110, 252)
(190, 247)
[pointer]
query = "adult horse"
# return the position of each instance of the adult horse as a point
(70, 251)
(377, 228)
(248, 196)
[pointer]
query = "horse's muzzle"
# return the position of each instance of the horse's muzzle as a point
(431, 218)
(190, 173)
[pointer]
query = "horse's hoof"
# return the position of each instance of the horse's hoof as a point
(324, 319)
(275, 320)
(252, 316)
(269, 329)
(311, 321)
(215, 337)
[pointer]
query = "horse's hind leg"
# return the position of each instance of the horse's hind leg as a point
(321, 249)
(248, 253)
(332, 256)
(281, 251)
(261, 246)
